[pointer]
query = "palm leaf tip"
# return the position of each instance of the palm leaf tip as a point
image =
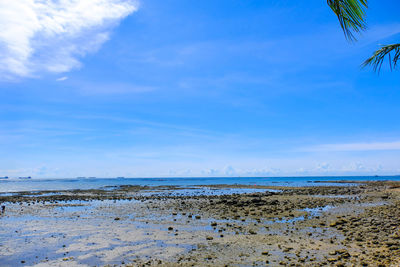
(351, 15)
(379, 56)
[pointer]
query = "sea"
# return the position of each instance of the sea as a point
(32, 185)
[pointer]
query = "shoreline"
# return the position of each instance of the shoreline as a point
(175, 226)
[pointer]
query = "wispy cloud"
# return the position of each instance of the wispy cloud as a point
(87, 88)
(154, 124)
(373, 146)
(50, 36)
(380, 32)
(62, 79)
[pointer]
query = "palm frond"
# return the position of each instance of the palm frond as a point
(351, 15)
(379, 56)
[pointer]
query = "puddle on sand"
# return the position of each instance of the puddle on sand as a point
(354, 197)
(53, 239)
(51, 232)
(311, 212)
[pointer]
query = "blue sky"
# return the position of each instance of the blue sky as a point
(194, 88)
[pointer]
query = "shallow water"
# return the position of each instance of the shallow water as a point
(12, 185)
(100, 232)
(84, 230)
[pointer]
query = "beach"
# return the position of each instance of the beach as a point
(210, 225)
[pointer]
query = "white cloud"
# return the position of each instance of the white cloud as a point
(51, 35)
(356, 147)
(323, 166)
(229, 171)
(356, 166)
(210, 172)
(62, 79)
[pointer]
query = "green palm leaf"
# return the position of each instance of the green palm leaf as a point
(351, 15)
(376, 60)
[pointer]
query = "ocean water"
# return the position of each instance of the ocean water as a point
(12, 185)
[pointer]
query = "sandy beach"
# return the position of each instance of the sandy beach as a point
(222, 225)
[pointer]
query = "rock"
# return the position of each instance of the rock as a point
(209, 238)
(391, 243)
(343, 253)
(287, 249)
(274, 202)
(396, 235)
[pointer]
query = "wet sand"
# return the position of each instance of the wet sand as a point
(222, 225)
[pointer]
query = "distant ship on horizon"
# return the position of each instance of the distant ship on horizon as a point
(4, 178)
(25, 178)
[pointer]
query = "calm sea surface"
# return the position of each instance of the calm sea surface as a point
(11, 185)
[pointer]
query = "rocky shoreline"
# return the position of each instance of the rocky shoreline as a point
(141, 226)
